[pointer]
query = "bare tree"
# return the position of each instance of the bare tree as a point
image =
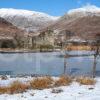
(68, 35)
(96, 53)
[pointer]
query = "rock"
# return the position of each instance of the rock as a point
(4, 77)
(90, 88)
(57, 90)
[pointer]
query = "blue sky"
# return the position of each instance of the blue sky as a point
(52, 7)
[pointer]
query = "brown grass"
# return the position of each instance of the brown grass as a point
(41, 83)
(86, 81)
(44, 83)
(3, 89)
(17, 87)
(79, 47)
(63, 81)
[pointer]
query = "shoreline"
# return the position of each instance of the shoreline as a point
(37, 51)
(69, 48)
(27, 51)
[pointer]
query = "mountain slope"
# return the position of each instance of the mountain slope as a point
(84, 21)
(9, 30)
(29, 20)
(86, 27)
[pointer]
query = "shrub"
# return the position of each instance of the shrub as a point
(17, 87)
(63, 81)
(86, 81)
(3, 89)
(41, 83)
(45, 47)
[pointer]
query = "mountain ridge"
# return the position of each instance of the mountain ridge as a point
(28, 20)
(80, 21)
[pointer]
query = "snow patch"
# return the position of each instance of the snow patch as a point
(25, 13)
(84, 9)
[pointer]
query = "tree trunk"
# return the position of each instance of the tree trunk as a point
(94, 67)
(65, 64)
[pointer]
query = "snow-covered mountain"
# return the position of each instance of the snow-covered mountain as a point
(88, 10)
(85, 9)
(8, 30)
(29, 20)
(83, 21)
(75, 14)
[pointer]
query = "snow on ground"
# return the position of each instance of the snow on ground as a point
(72, 92)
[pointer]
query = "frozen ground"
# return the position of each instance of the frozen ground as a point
(72, 92)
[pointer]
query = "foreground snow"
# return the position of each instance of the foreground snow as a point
(72, 92)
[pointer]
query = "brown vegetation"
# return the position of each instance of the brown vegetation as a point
(15, 87)
(3, 89)
(79, 47)
(18, 87)
(44, 83)
(86, 81)
(63, 81)
(41, 83)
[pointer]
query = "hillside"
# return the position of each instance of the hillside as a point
(84, 22)
(8, 30)
(28, 20)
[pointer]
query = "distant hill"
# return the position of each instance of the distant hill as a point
(84, 22)
(28, 20)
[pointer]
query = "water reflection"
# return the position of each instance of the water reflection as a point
(48, 63)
